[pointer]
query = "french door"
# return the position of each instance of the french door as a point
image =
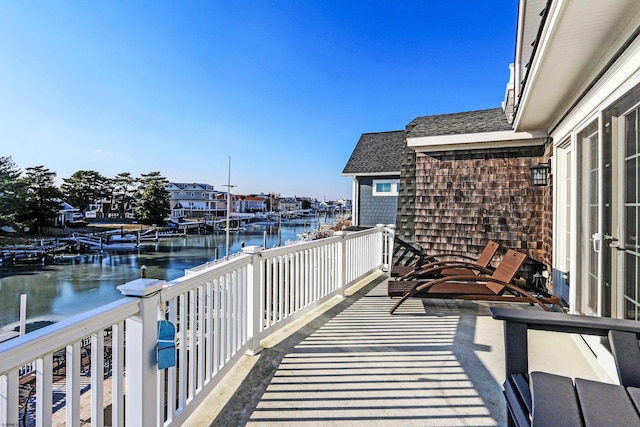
(609, 215)
(589, 294)
(628, 220)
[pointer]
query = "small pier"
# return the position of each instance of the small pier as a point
(32, 253)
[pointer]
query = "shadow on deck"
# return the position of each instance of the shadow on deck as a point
(435, 362)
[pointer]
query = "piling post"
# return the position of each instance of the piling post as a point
(23, 314)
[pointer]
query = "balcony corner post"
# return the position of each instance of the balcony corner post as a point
(390, 236)
(342, 262)
(254, 284)
(381, 244)
(142, 336)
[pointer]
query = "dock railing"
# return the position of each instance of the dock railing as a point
(220, 313)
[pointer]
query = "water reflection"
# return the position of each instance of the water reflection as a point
(87, 281)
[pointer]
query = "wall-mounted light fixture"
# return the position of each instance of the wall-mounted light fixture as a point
(539, 174)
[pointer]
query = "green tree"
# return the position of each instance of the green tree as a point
(40, 196)
(123, 192)
(83, 188)
(306, 204)
(154, 204)
(10, 202)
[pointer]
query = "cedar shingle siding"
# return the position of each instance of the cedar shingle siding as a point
(457, 200)
(405, 220)
(464, 198)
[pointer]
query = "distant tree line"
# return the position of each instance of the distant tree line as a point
(32, 199)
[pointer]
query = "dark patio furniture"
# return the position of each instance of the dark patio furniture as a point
(487, 285)
(410, 259)
(543, 399)
(451, 264)
(406, 257)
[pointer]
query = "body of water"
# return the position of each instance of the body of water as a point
(79, 284)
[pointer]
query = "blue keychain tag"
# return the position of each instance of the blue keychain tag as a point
(166, 347)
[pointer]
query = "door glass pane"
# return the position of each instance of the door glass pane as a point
(589, 221)
(630, 132)
(631, 287)
(569, 227)
(630, 173)
(631, 205)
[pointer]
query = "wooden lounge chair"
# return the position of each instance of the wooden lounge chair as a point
(407, 256)
(485, 286)
(426, 262)
(543, 399)
(455, 267)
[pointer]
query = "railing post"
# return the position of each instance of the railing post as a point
(381, 239)
(142, 335)
(342, 262)
(390, 234)
(255, 313)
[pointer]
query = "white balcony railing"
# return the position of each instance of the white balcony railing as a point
(220, 312)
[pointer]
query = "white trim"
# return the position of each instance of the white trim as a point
(625, 65)
(355, 175)
(517, 69)
(548, 31)
(355, 197)
(395, 186)
(478, 140)
(573, 261)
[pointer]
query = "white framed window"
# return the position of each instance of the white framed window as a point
(386, 187)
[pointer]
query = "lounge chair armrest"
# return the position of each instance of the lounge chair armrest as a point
(562, 322)
(517, 322)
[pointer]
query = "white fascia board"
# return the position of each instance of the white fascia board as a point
(546, 36)
(479, 140)
(518, 54)
(355, 175)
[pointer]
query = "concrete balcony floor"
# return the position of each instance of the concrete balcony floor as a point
(350, 363)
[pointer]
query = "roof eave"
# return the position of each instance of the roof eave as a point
(575, 45)
(476, 141)
(357, 174)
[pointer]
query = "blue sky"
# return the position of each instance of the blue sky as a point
(285, 88)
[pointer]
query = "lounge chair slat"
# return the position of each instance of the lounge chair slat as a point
(626, 352)
(522, 385)
(634, 394)
(605, 404)
(515, 404)
(554, 401)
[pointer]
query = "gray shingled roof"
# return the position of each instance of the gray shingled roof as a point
(491, 120)
(376, 153)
